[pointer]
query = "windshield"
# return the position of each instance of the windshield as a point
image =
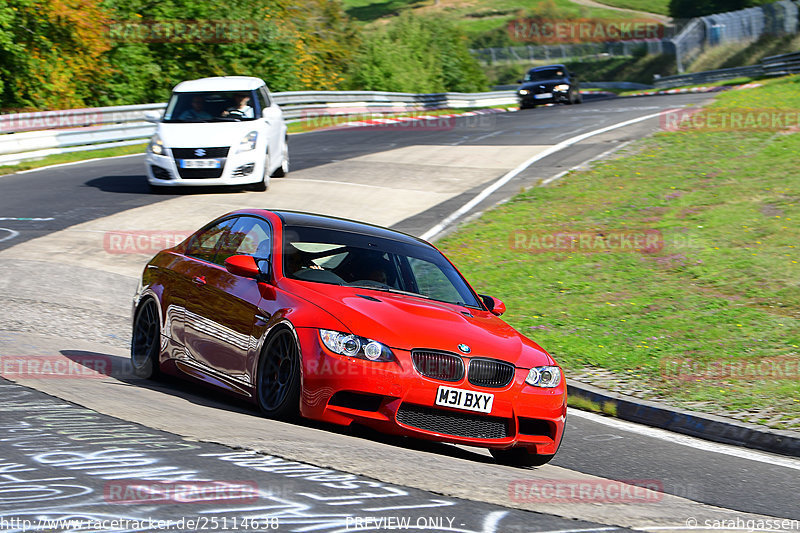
(544, 74)
(355, 260)
(216, 106)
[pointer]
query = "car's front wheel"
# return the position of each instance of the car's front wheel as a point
(261, 186)
(278, 385)
(283, 170)
(146, 341)
(519, 457)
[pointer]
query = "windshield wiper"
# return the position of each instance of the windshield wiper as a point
(387, 289)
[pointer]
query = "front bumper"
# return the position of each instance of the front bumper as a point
(394, 398)
(162, 170)
(532, 99)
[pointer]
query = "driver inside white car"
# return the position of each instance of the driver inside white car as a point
(241, 107)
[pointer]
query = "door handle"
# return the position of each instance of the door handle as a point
(199, 280)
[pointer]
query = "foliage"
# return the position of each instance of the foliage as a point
(61, 54)
(414, 53)
(51, 52)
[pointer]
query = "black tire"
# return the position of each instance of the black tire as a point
(579, 99)
(146, 341)
(519, 457)
(570, 97)
(261, 186)
(283, 170)
(278, 385)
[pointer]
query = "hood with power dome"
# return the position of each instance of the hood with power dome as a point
(409, 322)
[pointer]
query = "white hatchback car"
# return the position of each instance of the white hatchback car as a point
(218, 131)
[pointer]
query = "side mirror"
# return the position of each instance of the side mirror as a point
(242, 265)
(152, 116)
(495, 306)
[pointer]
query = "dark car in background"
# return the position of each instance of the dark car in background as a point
(552, 84)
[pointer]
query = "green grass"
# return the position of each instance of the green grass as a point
(659, 7)
(741, 54)
(73, 156)
(723, 288)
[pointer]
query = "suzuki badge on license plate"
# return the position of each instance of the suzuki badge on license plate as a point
(464, 399)
(543, 95)
(199, 163)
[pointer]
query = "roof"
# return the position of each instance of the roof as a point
(547, 67)
(220, 83)
(296, 218)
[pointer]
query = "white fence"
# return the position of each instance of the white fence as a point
(26, 136)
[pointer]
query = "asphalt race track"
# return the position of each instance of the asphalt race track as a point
(66, 445)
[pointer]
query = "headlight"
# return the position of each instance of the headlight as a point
(523, 91)
(355, 346)
(544, 376)
(248, 142)
(561, 88)
(156, 146)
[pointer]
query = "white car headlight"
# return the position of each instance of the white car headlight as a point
(156, 146)
(523, 91)
(562, 88)
(544, 376)
(355, 346)
(248, 142)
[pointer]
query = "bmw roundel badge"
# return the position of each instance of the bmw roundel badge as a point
(464, 348)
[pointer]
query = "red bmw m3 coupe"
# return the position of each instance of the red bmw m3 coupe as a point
(346, 322)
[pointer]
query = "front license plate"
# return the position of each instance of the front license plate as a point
(464, 399)
(199, 163)
(543, 95)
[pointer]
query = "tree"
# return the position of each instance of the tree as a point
(51, 52)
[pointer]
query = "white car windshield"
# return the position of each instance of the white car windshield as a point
(216, 106)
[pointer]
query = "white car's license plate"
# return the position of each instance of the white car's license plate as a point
(199, 163)
(464, 399)
(543, 95)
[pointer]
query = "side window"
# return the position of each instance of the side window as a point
(204, 244)
(264, 96)
(249, 236)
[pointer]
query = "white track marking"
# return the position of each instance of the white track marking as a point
(11, 234)
(686, 440)
(438, 228)
(25, 219)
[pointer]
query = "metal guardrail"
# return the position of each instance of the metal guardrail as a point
(27, 136)
(780, 65)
